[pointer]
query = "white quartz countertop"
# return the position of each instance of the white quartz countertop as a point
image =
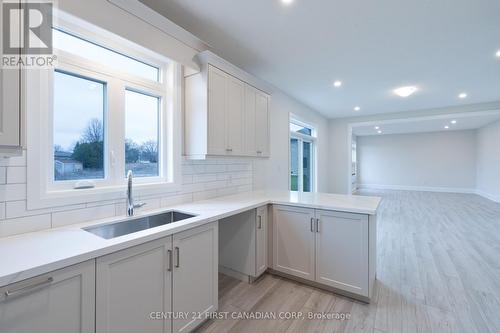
(28, 255)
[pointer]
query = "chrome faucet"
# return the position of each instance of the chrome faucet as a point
(130, 197)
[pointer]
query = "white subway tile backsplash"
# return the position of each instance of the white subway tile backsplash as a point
(204, 195)
(15, 209)
(14, 161)
(187, 179)
(3, 175)
(215, 168)
(176, 200)
(2, 210)
(203, 179)
(12, 192)
(60, 219)
(24, 224)
(16, 175)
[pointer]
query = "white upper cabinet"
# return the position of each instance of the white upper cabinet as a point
(217, 80)
(234, 115)
(262, 124)
(10, 109)
(225, 115)
(256, 122)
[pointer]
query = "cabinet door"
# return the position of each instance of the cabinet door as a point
(61, 301)
(342, 251)
(216, 111)
(235, 96)
(250, 121)
(262, 124)
(261, 241)
(195, 275)
(293, 241)
(131, 284)
(10, 107)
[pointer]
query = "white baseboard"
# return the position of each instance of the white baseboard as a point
(483, 194)
(418, 188)
(488, 196)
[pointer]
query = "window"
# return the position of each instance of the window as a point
(302, 157)
(64, 41)
(141, 134)
(109, 106)
(78, 127)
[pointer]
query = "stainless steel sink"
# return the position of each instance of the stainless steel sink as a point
(118, 229)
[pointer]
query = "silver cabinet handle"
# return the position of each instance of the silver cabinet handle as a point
(259, 152)
(317, 225)
(259, 225)
(177, 256)
(229, 149)
(312, 224)
(169, 260)
(20, 291)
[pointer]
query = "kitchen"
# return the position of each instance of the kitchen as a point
(155, 178)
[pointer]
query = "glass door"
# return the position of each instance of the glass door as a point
(294, 164)
(301, 165)
(306, 166)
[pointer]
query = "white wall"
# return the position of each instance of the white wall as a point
(338, 139)
(273, 173)
(431, 161)
(488, 161)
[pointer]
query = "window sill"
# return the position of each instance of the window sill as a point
(58, 198)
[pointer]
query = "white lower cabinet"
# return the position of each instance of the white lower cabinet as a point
(60, 301)
(132, 284)
(144, 288)
(195, 283)
(261, 241)
(327, 247)
(342, 251)
(293, 241)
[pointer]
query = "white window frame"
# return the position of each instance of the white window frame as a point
(312, 139)
(42, 190)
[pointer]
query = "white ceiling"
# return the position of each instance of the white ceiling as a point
(464, 121)
(443, 46)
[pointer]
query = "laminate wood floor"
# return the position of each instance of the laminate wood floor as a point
(438, 270)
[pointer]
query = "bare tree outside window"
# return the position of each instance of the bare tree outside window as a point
(94, 131)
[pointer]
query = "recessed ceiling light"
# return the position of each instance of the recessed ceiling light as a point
(337, 84)
(405, 91)
(446, 127)
(379, 132)
(377, 128)
(462, 95)
(498, 53)
(286, 2)
(453, 122)
(357, 108)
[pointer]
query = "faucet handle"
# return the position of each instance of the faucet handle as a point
(140, 204)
